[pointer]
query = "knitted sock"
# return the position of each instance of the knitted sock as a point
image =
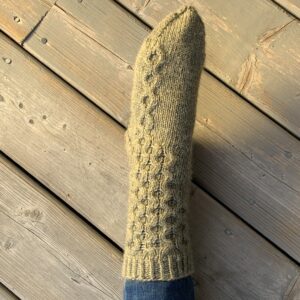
(158, 140)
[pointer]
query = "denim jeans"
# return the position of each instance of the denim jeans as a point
(179, 289)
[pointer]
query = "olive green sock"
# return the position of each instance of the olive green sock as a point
(159, 146)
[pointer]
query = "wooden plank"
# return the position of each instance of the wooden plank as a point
(243, 159)
(253, 46)
(54, 122)
(101, 14)
(232, 261)
(65, 258)
(213, 225)
(6, 294)
(107, 70)
(18, 20)
(292, 6)
(253, 165)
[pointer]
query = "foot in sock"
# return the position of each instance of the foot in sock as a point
(159, 147)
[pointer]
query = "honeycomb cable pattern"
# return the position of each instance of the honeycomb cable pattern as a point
(157, 238)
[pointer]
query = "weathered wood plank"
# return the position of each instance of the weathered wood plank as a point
(49, 114)
(249, 163)
(6, 294)
(47, 250)
(292, 6)
(253, 46)
(18, 20)
(76, 63)
(212, 225)
(253, 165)
(232, 261)
(101, 14)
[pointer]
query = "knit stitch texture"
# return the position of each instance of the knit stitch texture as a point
(159, 147)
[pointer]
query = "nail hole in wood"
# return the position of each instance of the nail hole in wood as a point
(7, 60)
(44, 40)
(17, 19)
(228, 231)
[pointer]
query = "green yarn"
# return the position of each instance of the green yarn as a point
(159, 146)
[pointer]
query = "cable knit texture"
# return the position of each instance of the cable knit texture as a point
(158, 140)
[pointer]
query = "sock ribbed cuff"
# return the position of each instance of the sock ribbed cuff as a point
(157, 267)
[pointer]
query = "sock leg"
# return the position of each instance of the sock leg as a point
(159, 145)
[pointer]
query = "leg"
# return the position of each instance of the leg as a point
(159, 147)
(179, 289)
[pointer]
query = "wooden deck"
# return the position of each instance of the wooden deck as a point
(65, 83)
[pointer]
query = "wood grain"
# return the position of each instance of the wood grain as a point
(43, 119)
(102, 14)
(242, 157)
(232, 261)
(213, 225)
(253, 46)
(19, 20)
(47, 250)
(88, 55)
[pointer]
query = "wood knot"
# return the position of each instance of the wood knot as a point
(8, 244)
(288, 154)
(34, 214)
